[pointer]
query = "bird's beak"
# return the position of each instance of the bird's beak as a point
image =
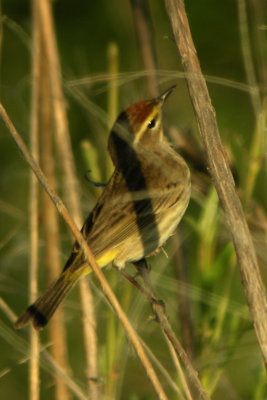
(166, 94)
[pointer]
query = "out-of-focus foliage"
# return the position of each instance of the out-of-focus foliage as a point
(223, 344)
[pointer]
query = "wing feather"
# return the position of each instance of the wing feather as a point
(119, 215)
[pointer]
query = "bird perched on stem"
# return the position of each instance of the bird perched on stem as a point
(138, 210)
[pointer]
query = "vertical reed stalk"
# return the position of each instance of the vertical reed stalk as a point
(179, 370)
(256, 148)
(113, 70)
(221, 174)
(69, 177)
(34, 340)
(184, 306)
(144, 33)
(112, 349)
(50, 225)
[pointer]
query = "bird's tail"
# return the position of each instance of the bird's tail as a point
(44, 307)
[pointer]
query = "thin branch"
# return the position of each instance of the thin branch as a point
(159, 311)
(46, 360)
(179, 370)
(144, 35)
(221, 174)
(70, 181)
(90, 334)
(59, 107)
(256, 151)
(50, 224)
(113, 69)
(77, 391)
(34, 234)
(132, 335)
(184, 303)
(247, 57)
(164, 372)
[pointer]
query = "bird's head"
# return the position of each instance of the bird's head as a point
(140, 123)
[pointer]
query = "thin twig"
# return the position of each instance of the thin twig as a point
(247, 57)
(184, 303)
(164, 372)
(256, 150)
(59, 107)
(50, 224)
(70, 181)
(179, 370)
(159, 310)
(34, 234)
(132, 335)
(113, 69)
(90, 343)
(144, 34)
(7, 310)
(77, 391)
(22, 346)
(151, 296)
(221, 174)
(258, 10)
(111, 334)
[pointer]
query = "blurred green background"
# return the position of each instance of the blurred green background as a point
(230, 361)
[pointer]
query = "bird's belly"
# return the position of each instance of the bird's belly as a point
(153, 236)
(168, 223)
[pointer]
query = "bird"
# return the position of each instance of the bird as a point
(137, 211)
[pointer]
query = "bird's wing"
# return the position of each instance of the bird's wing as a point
(120, 213)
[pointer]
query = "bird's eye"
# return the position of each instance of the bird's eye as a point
(151, 123)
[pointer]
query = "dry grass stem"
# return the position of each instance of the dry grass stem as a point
(247, 57)
(179, 370)
(164, 372)
(159, 311)
(221, 174)
(22, 346)
(90, 339)
(76, 390)
(259, 13)
(144, 33)
(50, 226)
(34, 235)
(184, 306)
(59, 108)
(132, 335)
(70, 181)
(113, 67)
(89, 326)
(256, 147)
(7, 310)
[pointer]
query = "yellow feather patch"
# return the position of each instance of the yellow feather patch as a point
(85, 269)
(107, 257)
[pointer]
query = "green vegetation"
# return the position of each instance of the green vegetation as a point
(199, 282)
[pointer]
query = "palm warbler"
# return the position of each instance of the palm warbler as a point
(137, 211)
